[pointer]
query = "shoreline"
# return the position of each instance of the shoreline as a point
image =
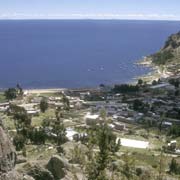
(146, 62)
(155, 71)
(55, 90)
(44, 90)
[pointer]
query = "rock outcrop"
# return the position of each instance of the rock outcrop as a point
(7, 158)
(40, 173)
(57, 166)
(7, 153)
(168, 55)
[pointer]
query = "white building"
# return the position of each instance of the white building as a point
(91, 119)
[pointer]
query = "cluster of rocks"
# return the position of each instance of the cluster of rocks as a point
(57, 168)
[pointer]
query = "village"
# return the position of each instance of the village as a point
(142, 119)
(119, 107)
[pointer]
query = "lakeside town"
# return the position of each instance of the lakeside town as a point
(144, 118)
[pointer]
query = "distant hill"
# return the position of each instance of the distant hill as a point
(167, 59)
(166, 62)
(169, 55)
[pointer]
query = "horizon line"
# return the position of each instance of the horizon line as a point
(105, 19)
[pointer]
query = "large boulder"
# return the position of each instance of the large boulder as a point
(40, 173)
(57, 166)
(26, 177)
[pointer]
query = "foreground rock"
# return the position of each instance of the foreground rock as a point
(7, 158)
(7, 153)
(40, 173)
(57, 166)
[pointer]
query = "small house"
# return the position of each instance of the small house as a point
(91, 119)
(119, 126)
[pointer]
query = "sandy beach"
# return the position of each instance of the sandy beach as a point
(40, 91)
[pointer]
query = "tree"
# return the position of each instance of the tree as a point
(174, 131)
(19, 90)
(59, 130)
(103, 114)
(154, 82)
(19, 142)
(104, 147)
(59, 114)
(161, 166)
(21, 118)
(43, 105)
(125, 88)
(106, 142)
(37, 136)
(174, 82)
(22, 123)
(140, 106)
(128, 168)
(173, 166)
(140, 82)
(66, 102)
(46, 123)
(10, 93)
(162, 118)
(78, 155)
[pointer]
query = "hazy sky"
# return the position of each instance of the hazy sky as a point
(93, 9)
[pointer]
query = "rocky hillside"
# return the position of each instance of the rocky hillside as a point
(173, 42)
(166, 62)
(7, 157)
(7, 153)
(169, 55)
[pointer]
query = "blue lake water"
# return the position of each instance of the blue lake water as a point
(76, 53)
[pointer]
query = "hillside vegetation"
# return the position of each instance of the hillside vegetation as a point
(169, 55)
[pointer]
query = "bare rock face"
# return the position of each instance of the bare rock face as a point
(7, 153)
